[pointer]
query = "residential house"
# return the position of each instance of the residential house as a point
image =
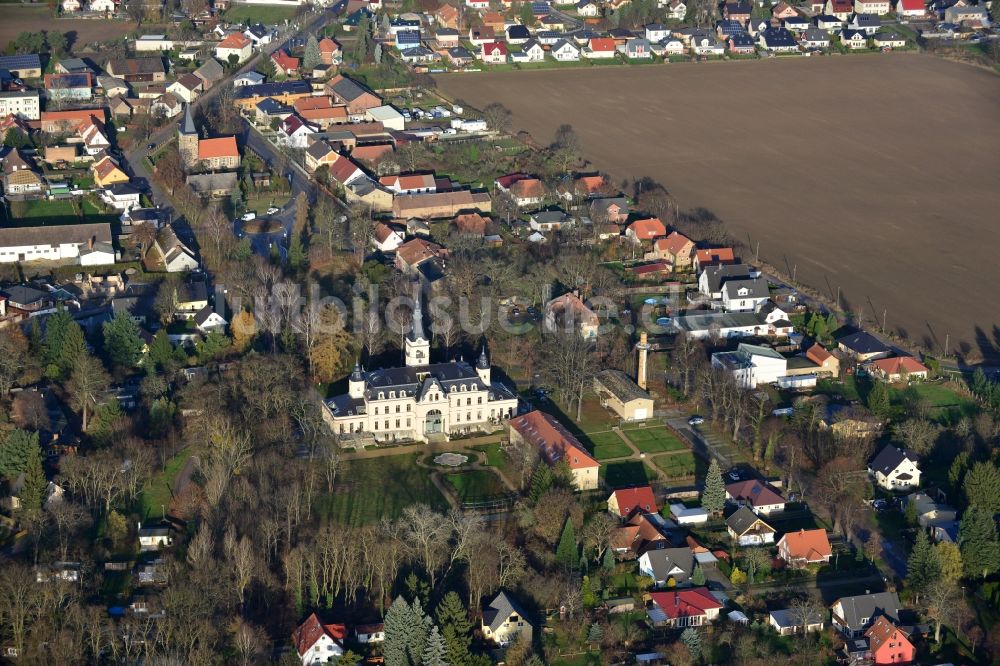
(284, 63)
(904, 8)
(414, 252)
(692, 607)
(433, 205)
(526, 191)
(889, 40)
(645, 230)
(620, 393)
(22, 104)
(675, 248)
(102, 6)
(600, 48)
(154, 538)
(70, 6)
(471, 224)
(744, 295)
(211, 72)
(895, 469)
(805, 547)
(285, 92)
(782, 10)
(796, 24)
(167, 105)
(588, 9)
(612, 210)
(269, 109)
(842, 9)
(726, 28)
(747, 529)
(568, 312)
(854, 39)
(70, 242)
(187, 87)
(777, 40)
(866, 23)
(447, 38)
(876, 7)
(555, 444)
(516, 33)
(889, 645)
(930, 512)
(92, 136)
(138, 70)
(482, 34)
(385, 238)
(121, 196)
(357, 98)
(69, 87)
(742, 43)
(827, 364)
(714, 257)
(318, 643)
(897, 369)
(504, 620)
(112, 86)
(863, 346)
(668, 567)
(447, 16)
(565, 51)
(754, 494)
(853, 615)
(409, 183)
(642, 532)
(677, 10)
(295, 132)
(213, 185)
(25, 66)
(106, 171)
(174, 255)
(235, 47)
(329, 51)
(792, 621)
(208, 320)
(460, 56)
(815, 38)
(626, 501)
(737, 11)
(366, 634)
(320, 153)
(250, 78)
(657, 32)
(712, 278)
(417, 55)
(638, 49)
(531, 51)
(850, 421)
(830, 24)
(549, 220)
(493, 53)
(259, 34)
(707, 45)
(684, 515)
(19, 175)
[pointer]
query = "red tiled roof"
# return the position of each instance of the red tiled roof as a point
(882, 631)
(223, 146)
(371, 152)
(900, 364)
(507, 181)
(342, 169)
(818, 354)
(414, 251)
(911, 5)
(553, 441)
(685, 603)
(471, 223)
(589, 184)
(327, 45)
(648, 229)
(284, 61)
(655, 267)
(673, 244)
(310, 631)
(528, 188)
(491, 48)
(630, 499)
(754, 493)
(809, 545)
(602, 44)
(306, 103)
(234, 40)
(716, 255)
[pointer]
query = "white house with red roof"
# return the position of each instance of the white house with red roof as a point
(494, 53)
(555, 444)
(385, 238)
(910, 8)
(625, 501)
(805, 547)
(755, 495)
(646, 230)
(692, 607)
(898, 368)
(317, 643)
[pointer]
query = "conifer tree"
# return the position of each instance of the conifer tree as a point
(541, 481)
(977, 538)
(922, 567)
(456, 629)
(713, 498)
(398, 623)
(609, 560)
(878, 400)
(697, 576)
(122, 342)
(435, 651)
(692, 640)
(566, 551)
(33, 491)
(312, 56)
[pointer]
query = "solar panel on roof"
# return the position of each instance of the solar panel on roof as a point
(27, 61)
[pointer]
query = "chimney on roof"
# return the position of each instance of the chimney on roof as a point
(90, 243)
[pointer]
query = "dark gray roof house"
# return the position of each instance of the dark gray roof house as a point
(755, 289)
(667, 563)
(852, 615)
(744, 519)
(518, 32)
(862, 343)
(502, 610)
(715, 276)
(891, 457)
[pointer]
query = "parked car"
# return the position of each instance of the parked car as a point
(249, 215)
(696, 420)
(272, 210)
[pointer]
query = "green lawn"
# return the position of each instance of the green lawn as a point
(676, 465)
(476, 484)
(608, 445)
(55, 212)
(655, 440)
(373, 488)
(260, 14)
(158, 489)
(625, 474)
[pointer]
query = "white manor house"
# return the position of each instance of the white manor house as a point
(422, 400)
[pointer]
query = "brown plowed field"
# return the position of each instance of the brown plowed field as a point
(81, 32)
(879, 174)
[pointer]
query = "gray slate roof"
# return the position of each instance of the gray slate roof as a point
(66, 233)
(501, 608)
(665, 559)
(621, 385)
(716, 275)
(743, 520)
(856, 610)
(890, 458)
(863, 343)
(755, 288)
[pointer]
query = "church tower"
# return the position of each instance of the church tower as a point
(418, 346)
(483, 367)
(187, 139)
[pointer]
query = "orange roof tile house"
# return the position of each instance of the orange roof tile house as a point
(555, 445)
(676, 248)
(805, 547)
(713, 257)
(889, 644)
(897, 369)
(646, 230)
(219, 153)
(625, 501)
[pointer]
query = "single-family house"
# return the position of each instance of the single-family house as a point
(411, 254)
(645, 230)
(657, 32)
(707, 45)
(211, 72)
(385, 238)
(121, 196)
(638, 48)
(295, 132)
(24, 66)
(471, 224)
(504, 619)
(447, 16)
(482, 34)
(897, 369)
(777, 40)
(675, 248)
(329, 51)
(555, 444)
(740, 295)
(789, 621)
(642, 532)
(854, 39)
(842, 9)
(259, 34)
(930, 512)
(526, 191)
(742, 43)
(106, 171)
(549, 220)
(876, 7)
(447, 37)
(714, 256)
(235, 47)
(754, 494)
(668, 567)
(175, 256)
(317, 642)
(19, 175)
(676, 10)
(565, 51)
(208, 320)
(747, 529)
(866, 23)
(568, 313)
(888, 644)
(531, 51)
(459, 56)
(888, 40)
(588, 9)
(626, 501)
(782, 10)
(154, 538)
(805, 547)
(863, 346)
(622, 395)
(493, 53)
(815, 38)
(796, 24)
(366, 634)
(911, 8)
(895, 469)
(600, 48)
(853, 615)
(691, 607)
(516, 33)
(138, 70)
(250, 78)
(827, 364)
(613, 210)
(187, 87)
(409, 183)
(830, 24)
(284, 63)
